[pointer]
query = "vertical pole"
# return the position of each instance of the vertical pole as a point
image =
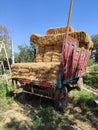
(64, 43)
(7, 58)
(13, 61)
(68, 22)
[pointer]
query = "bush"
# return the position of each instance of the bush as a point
(90, 80)
(3, 89)
(5, 99)
(91, 62)
(95, 69)
(46, 117)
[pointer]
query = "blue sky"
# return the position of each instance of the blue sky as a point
(24, 17)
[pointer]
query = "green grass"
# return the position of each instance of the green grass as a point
(17, 125)
(85, 101)
(91, 80)
(5, 98)
(93, 68)
(46, 117)
(88, 108)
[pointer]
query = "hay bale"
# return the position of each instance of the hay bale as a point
(47, 71)
(34, 38)
(56, 57)
(57, 48)
(41, 49)
(39, 57)
(47, 56)
(57, 39)
(59, 30)
(55, 36)
(49, 48)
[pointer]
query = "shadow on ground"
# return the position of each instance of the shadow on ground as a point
(77, 116)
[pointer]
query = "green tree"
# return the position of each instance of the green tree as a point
(5, 37)
(95, 40)
(26, 54)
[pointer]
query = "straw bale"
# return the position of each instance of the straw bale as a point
(56, 57)
(56, 54)
(39, 57)
(48, 39)
(48, 53)
(38, 60)
(49, 48)
(36, 71)
(57, 39)
(47, 57)
(41, 49)
(23, 70)
(34, 38)
(59, 30)
(58, 48)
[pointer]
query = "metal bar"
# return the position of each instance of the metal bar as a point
(37, 94)
(68, 22)
(7, 58)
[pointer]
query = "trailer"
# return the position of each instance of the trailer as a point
(72, 66)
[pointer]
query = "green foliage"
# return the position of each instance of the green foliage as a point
(26, 54)
(46, 117)
(4, 33)
(18, 125)
(91, 62)
(95, 68)
(5, 98)
(91, 80)
(87, 98)
(3, 89)
(95, 40)
(5, 36)
(5, 103)
(96, 56)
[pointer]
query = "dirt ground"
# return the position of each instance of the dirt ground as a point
(18, 117)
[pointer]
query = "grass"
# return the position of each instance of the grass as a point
(81, 110)
(88, 109)
(93, 68)
(84, 97)
(5, 99)
(91, 80)
(46, 118)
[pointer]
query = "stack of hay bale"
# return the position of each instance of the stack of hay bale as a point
(48, 58)
(50, 44)
(36, 71)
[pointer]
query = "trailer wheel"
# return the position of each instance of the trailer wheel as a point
(27, 89)
(61, 98)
